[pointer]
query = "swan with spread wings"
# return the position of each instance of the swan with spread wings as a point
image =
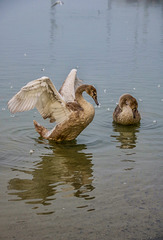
(67, 107)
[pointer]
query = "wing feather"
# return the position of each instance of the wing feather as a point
(70, 85)
(42, 94)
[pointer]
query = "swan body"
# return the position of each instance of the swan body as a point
(71, 112)
(126, 112)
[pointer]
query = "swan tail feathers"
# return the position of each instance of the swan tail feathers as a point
(40, 129)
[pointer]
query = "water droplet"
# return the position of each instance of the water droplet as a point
(154, 121)
(158, 85)
(25, 54)
(105, 90)
(108, 109)
(31, 151)
(140, 100)
(3, 109)
(134, 88)
(43, 69)
(98, 106)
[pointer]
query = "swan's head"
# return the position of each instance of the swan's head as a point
(127, 101)
(90, 90)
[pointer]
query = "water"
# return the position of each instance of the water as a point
(107, 184)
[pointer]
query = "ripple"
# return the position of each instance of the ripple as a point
(20, 136)
(151, 124)
(16, 144)
(91, 141)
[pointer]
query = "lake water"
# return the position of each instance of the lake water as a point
(107, 184)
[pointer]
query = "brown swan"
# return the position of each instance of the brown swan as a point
(126, 112)
(71, 112)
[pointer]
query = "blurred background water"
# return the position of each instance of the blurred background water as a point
(107, 184)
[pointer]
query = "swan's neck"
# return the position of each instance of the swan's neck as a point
(88, 108)
(79, 97)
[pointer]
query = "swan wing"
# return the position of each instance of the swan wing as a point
(70, 85)
(42, 94)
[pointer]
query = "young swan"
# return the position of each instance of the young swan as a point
(126, 112)
(67, 107)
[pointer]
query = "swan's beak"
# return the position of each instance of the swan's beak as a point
(96, 101)
(134, 113)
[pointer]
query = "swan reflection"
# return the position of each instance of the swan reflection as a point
(65, 172)
(125, 135)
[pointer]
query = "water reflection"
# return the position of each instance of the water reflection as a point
(146, 2)
(53, 25)
(125, 135)
(67, 170)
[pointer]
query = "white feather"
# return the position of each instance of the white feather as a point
(42, 94)
(70, 85)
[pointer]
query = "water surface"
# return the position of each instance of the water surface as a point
(106, 184)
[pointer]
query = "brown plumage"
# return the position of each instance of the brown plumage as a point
(126, 112)
(67, 107)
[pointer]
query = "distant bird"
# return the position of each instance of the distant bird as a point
(67, 107)
(126, 112)
(57, 2)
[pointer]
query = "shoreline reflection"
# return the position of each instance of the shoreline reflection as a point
(64, 173)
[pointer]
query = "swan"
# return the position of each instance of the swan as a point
(71, 112)
(126, 112)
